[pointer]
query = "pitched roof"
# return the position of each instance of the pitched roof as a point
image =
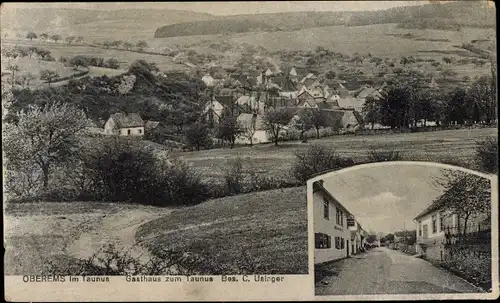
(123, 120)
(435, 205)
(352, 85)
(151, 124)
(351, 102)
(225, 100)
(328, 105)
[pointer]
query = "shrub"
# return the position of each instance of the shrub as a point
(317, 159)
(233, 176)
(487, 155)
(109, 261)
(124, 169)
(383, 155)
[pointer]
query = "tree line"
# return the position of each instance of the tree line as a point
(405, 105)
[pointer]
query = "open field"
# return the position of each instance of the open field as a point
(263, 232)
(123, 56)
(37, 232)
(266, 230)
(434, 146)
(363, 39)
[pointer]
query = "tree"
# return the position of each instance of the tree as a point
(304, 123)
(447, 60)
(31, 50)
(44, 36)
(79, 39)
(116, 43)
(371, 239)
(487, 155)
(275, 121)
(248, 131)
(319, 119)
(13, 68)
(141, 45)
(229, 129)
(112, 63)
(48, 75)
(198, 136)
(457, 111)
(465, 195)
(44, 136)
(70, 39)
(27, 78)
(447, 73)
(389, 237)
(482, 94)
(78, 61)
(107, 44)
(55, 38)
(128, 45)
(371, 111)
(31, 35)
(394, 107)
(330, 75)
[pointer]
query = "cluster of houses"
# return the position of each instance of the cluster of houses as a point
(342, 101)
(337, 233)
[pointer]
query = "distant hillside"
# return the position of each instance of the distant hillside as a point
(439, 16)
(44, 19)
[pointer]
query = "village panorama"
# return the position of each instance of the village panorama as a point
(178, 138)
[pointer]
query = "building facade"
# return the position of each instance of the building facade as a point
(124, 125)
(332, 237)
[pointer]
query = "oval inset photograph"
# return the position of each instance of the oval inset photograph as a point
(403, 228)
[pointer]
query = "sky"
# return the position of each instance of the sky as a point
(386, 199)
(233, 7)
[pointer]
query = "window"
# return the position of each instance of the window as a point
(140, 131)
(326, 209)
(128, 132)
(322, 241)
(340, 220)
(434, 224)
(441, 221)
(338, 245)
(419, 229)
(342, 243)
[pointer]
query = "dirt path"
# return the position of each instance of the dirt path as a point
(36, 233)
(117, 229)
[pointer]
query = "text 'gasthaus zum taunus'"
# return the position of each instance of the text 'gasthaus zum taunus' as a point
(151, 279)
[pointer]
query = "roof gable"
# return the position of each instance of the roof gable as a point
(123, 120)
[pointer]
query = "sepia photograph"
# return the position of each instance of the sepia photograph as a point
(402, 228)
(177, 142)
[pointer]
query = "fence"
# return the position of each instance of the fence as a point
(475, 233)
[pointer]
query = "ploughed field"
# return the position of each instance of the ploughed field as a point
(434, 146)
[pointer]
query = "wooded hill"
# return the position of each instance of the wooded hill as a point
(437, 16)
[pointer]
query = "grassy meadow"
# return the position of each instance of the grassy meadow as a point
(267, 159)
(263, 232)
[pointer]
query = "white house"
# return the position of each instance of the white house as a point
(254, 128)
(124, 125)
(208, 80)
(213, 110)
(332, 237)
(435, 226)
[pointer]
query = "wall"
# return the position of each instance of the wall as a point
(260, 136)
(134, 131)
(329, 227)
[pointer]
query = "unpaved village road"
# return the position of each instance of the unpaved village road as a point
(386, 271)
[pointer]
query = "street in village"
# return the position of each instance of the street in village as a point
(386, 271)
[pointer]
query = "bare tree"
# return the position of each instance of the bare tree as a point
(275, 121)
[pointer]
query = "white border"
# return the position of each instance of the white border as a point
(494, 235)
